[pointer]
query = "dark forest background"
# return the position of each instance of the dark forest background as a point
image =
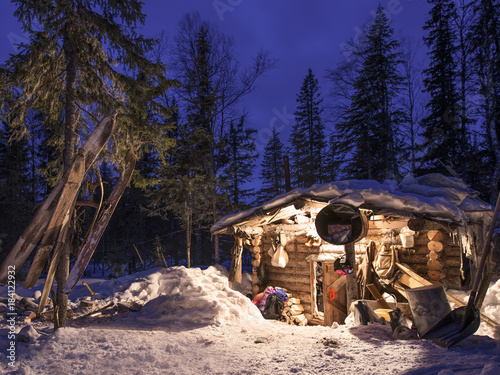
(388, 115)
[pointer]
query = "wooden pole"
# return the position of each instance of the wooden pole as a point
(137, 251)
(351, 287)
(164, 261)
(484, 282)
(92, 240)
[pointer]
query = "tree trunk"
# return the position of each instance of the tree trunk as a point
(61, 313)
(217, 245)
(54, 209)
(187, 209)
(68, 156)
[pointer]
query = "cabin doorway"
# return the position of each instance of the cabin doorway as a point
(318, 277)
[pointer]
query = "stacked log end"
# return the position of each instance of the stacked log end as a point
(435, 256)
(293, 312)
(296, 276)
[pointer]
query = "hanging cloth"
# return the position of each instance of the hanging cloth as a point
(235, 274)
(280, 257)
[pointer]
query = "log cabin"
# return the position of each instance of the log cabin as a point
(434, 224)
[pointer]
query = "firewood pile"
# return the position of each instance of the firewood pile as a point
(24, 309)
(293, 312)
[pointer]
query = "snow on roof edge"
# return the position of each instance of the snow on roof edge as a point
(433, 195)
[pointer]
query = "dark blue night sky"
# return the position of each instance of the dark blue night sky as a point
(299, 34)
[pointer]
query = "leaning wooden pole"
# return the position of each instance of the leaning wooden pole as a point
(97, 230)
(351, 286)
(56, 207)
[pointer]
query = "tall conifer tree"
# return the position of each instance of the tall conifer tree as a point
(239, 163)
(367, 132)
(212, 83)
(86, 62)
(486, 41)
(16, 194)
(444, 142)
(307, 140)
(272, 174)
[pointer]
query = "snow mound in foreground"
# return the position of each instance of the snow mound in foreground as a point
(188, 295)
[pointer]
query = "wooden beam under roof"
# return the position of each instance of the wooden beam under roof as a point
(260, 217)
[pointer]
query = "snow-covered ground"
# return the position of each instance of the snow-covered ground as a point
(192, 322)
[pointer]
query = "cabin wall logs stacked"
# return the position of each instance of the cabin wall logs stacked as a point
(295, 277)
(434, 256)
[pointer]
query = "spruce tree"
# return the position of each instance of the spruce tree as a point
(272, 174)
(307, 139)
(239, 163)
(212, 83)
(16, 194)
(181, 192)
(367, 132)
(444, 143)
(486, 41)
(465, 71)
(86, 62)
(334, 158)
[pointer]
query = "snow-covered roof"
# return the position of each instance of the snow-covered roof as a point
(433, 196)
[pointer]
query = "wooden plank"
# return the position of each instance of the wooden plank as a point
(382, 224)
(312, 288)
(291, 286)
(334, 310)
(453, 262)
(400, 288)
(453, 251)
(417, 278)
(32, 234)
(421, 249)
(61, 242)
(378, 297)
(409, 281)
(351, 284)
(413, 258)
(294, 265)
(420, 281)
(96, 232)
(288, 278)
(60, 218)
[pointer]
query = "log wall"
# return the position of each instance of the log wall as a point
(295, 277)
(434, 256)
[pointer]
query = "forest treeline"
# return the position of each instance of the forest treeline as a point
(178, 101)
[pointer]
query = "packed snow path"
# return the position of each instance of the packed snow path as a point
(204, 326)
